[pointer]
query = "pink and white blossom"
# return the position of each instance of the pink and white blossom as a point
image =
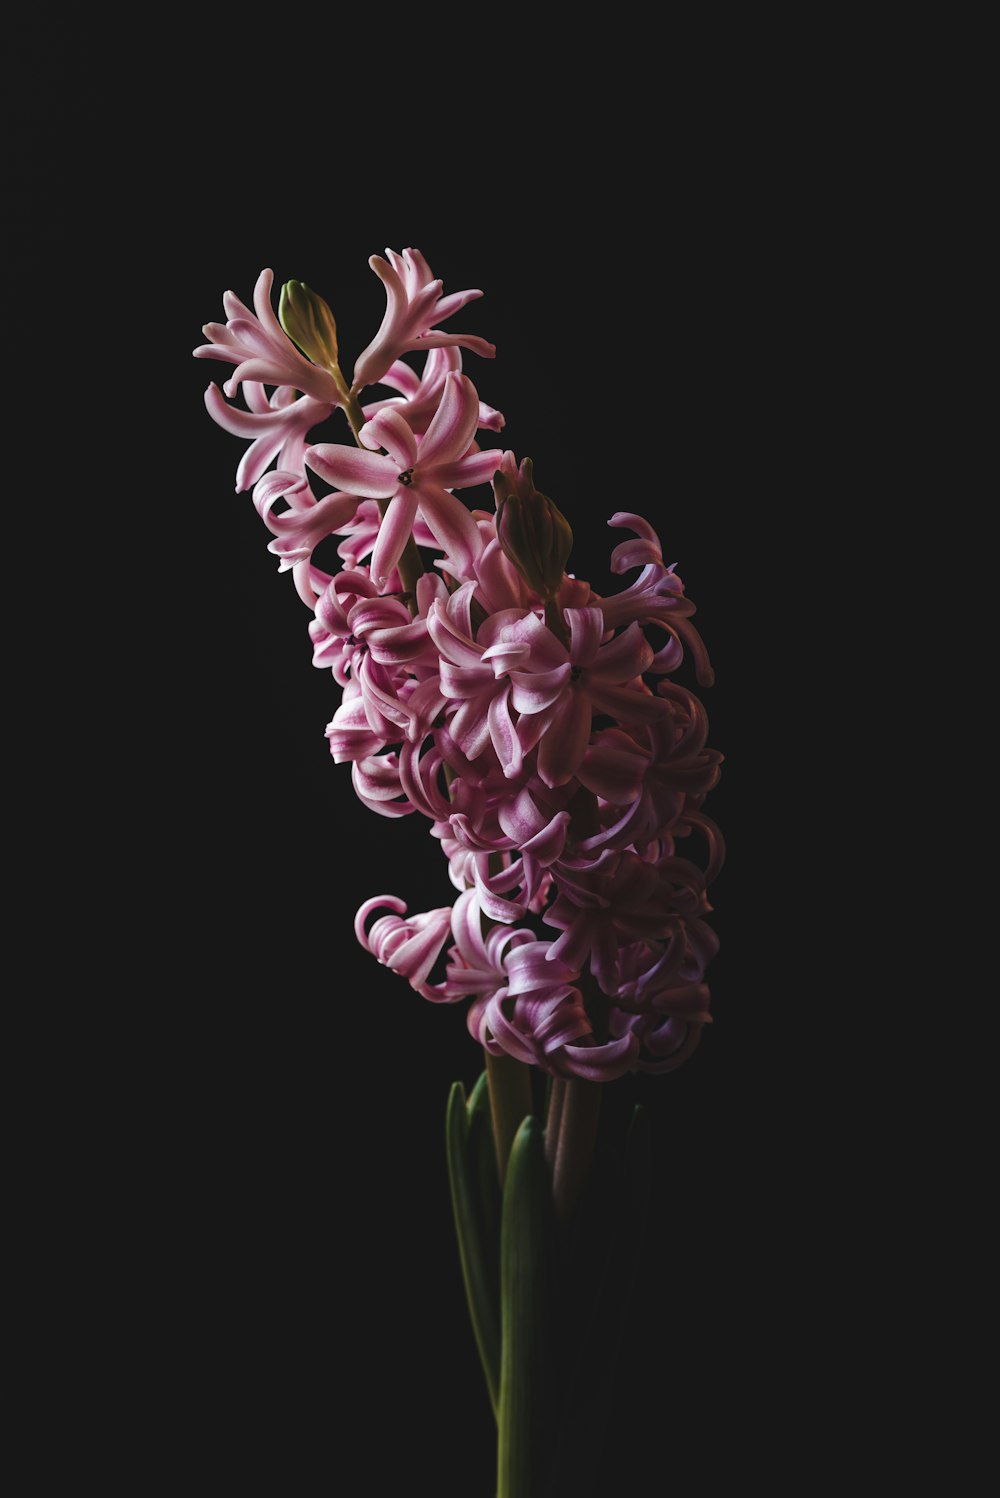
(414, 305)
(416, 474)
(533, 724)
(261, 350)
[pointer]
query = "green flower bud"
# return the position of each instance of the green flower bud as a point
(532, 531)
(309, 322)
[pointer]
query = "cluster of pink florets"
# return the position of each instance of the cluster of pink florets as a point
(559, 765)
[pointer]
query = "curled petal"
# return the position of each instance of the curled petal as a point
(602, 1063)
(389, 430)
(454, 425)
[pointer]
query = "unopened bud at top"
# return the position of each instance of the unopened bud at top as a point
(532, 531)
(309, 322)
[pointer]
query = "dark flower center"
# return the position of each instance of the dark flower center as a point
(406, 477)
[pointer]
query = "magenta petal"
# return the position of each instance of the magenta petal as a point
(602, 1063)
(564, 742)
(370, 474)
(494, 906)
(470, 727)
(477, 468)
(257, 458)
(520, 818)
(613, 774)
(451, 523)
(394, 532)
(389, 430)
(548, 844)
(449, 305)
(464, 682)
(535, 691)
(478, 346)
(504, 735)
(623, 658)
(625, 705)
(454, 426)
(586, 627)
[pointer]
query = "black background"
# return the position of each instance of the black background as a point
(272, 1102)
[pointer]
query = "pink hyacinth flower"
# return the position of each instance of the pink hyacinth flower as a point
(407, 946)
(261, 349)
(420, 395)
(277, 427)
(416, 474)
(556, 690)
(656, 596)
(299, 529)
(414, 304)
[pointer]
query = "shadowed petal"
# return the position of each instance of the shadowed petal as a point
(564, 742)
(452, 524)
(504, 735)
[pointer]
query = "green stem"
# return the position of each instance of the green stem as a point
(571, 1148)
(352, 406)
(510, 1102)
(579, 1117)
(557, 1097)
(555, 621)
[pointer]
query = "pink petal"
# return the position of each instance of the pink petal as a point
(443, 340)
(504, 735)
(394, 532)
(613, 774)
(389, 430)
(536, 690)
(586, 628)
(449, 305)
(623, 658)
(564, 742)
(376, 903)
(520, 818)
(452, 644)
(381, 352)
(602, 1063)
(627, 706)
(370, 474)
(451, 523)
(464, 682)
(470, 727)
(467, 472)
(454, 425)
(548, 844)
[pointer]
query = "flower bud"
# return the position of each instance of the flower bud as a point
(309, 322)
(532, 531)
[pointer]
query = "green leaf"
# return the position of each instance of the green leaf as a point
(479, 1293)
(486, 1181)
(525, 1298)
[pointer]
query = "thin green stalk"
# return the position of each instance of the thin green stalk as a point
(579, 1118)
(510, 1102)
(553, 1118)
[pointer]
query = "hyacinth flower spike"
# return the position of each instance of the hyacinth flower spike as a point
(537, 729)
